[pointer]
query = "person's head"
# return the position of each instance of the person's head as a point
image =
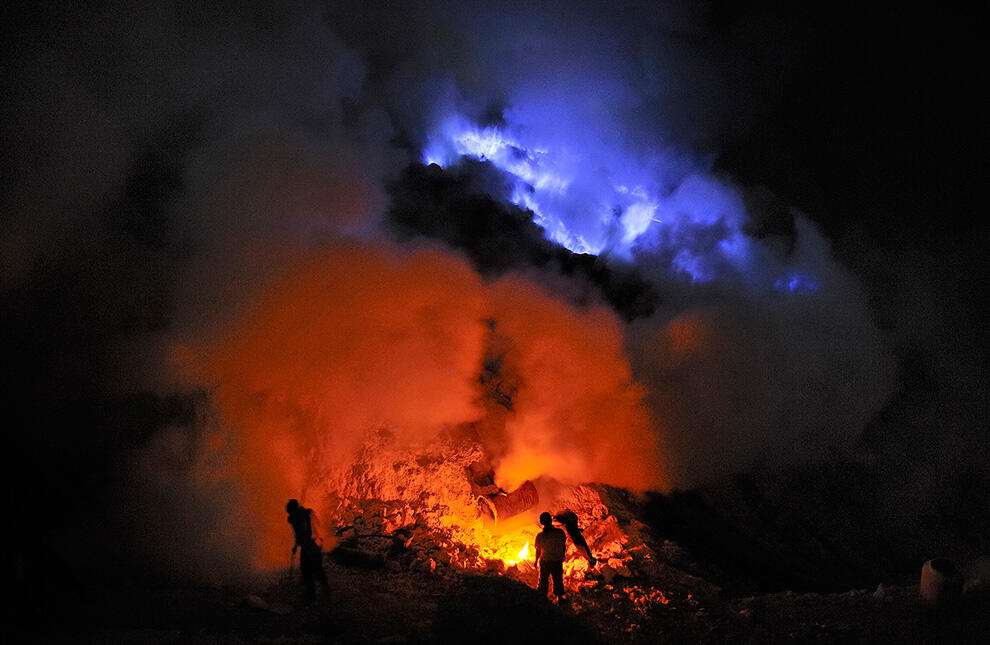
(546, 519)
(292, 506)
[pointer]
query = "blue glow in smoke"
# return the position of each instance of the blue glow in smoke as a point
(795, 283)
(618, 213)
(591, 195)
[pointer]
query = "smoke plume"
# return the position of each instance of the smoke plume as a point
(228, 263)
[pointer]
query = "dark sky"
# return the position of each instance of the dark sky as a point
(123, 129)
(876, 121)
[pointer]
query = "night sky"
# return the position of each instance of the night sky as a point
(160, 165)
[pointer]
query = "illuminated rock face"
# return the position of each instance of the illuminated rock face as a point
(420, 511)
(372, 374)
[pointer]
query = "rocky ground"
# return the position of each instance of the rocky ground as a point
(445, 606)
(702, 568)
(393, 602)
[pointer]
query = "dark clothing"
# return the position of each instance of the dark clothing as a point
(301, 520)
(570, 522)
(554, 569)
(550, 543)
(311, 566)
(310, 555)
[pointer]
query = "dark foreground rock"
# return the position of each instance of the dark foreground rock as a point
(411, 605)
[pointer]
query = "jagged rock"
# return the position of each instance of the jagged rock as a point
(610, 573)
(881, 593)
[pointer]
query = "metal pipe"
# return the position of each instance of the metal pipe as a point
(501, 506)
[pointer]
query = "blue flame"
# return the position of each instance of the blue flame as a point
(543, 179)
(592, 196)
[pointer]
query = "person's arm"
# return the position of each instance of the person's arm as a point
(295, 539)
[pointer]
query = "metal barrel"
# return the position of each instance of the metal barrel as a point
(505, 505)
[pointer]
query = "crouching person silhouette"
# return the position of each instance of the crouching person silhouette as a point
(570, 522)
(311, 555)
(549, 545)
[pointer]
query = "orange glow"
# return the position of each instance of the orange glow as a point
(523, 555)
(350, 343)
(356, 377)
(579, 415)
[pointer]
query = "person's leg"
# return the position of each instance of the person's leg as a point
(312, 568)
(558, 579)
(319, 573)
(544, 578)
(309, 582)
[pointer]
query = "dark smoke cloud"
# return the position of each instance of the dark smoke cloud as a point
(163, 166)
(668, 77)
(159, 162)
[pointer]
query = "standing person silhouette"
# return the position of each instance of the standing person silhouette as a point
(570, 522)
(311, 557)
(550, 544)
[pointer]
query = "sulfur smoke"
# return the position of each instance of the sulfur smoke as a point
(363, 339)
(209, 197)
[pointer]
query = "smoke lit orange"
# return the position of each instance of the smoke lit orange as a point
(368, 344)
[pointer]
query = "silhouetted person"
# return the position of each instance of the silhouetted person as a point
(550, 544)
(570, 522)
(311, 556)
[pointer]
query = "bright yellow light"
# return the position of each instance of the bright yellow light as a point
(523, 555)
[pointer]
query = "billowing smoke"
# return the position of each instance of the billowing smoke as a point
(358, 340)
(759, 345)
(216, 239)
(365, 339)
